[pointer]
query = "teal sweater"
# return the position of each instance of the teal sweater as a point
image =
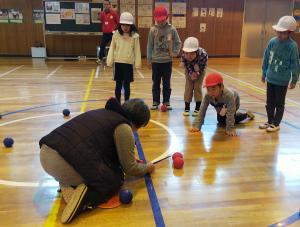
(281, 62)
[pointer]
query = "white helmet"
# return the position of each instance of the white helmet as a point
(126, 18)
(286, 23)
(191, 44)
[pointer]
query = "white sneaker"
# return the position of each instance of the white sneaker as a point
(251, 116)
(154, 107)
(273, 128)
(169, 107)
(186, 113)
(264, 125)
(195, 113)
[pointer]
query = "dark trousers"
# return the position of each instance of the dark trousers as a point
(161, 71)
(106, 38)
(275, 103)
(238, 117)
(123, 77)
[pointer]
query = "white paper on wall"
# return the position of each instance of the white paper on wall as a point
(144, 22)
(202, 27)
(211, 12)
(145, 10)
(179, 8)
(195, 12)
(179, 22)
(203, 12)
(127, 8)
(53, 18)
(219, 12)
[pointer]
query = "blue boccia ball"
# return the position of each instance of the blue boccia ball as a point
(66, 112)
(125, 196)
(8, 142)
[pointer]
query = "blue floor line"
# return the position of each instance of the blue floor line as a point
(288, 221)
(159, 220)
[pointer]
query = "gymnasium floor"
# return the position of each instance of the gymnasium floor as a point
(249, 180)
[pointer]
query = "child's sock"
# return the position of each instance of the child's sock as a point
(187, 106)
(198, 104)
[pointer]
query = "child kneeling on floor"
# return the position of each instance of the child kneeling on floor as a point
(225, 102)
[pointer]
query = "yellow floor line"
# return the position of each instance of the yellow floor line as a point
(51, 219)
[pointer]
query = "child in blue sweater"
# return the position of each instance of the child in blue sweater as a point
(280, 70)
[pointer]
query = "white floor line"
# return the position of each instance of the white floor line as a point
(180, 73)
(251, 85)
(10, 71)
(140, 74)
(97, 72)
(54, 71)
(174, 146)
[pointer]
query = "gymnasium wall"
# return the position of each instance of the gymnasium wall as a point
(222, 36)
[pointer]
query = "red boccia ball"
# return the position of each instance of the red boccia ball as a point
(163, 108)
(177, 154)
(178, 163)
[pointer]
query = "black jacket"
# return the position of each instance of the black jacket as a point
(86, 142)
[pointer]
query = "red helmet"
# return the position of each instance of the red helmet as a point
(213, 79)
(160, 13)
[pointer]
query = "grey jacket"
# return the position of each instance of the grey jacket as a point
(229, 100)
(163, 42)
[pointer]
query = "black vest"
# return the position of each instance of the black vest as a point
(86, 142)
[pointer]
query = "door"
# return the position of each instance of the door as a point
(259, 17)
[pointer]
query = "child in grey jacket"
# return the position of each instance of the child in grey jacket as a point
(225, 102)
(163, 44)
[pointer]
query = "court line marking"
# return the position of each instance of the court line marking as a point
(54, 71)
(36, 184)
(10, 71)
(158, 218)
(140, 74)
(51, 218)
(179, 72)
(83, 105)
(97, 72)
(288, 221)
(253, 87)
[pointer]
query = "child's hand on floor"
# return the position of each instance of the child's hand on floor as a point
(231, 132)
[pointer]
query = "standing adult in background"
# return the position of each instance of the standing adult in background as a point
(109, 21)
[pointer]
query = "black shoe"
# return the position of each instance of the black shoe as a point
(82, 199)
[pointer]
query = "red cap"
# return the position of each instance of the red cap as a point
(160, 13)
(213, 79)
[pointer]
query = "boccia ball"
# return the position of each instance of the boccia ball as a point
(8, 142)
(178, 163)
(125, 196)
(163, 108)
(177, 154)
(66, 112)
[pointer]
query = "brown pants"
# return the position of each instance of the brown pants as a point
(193, 86)
(58, 168)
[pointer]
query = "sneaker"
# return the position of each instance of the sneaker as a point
(195, 113)
(186, 113)
(99, 62)
(80, 201)
(154, 107)
(264, 125)
(272, 128)
(250, 115)
(67, 193)
(169, 107)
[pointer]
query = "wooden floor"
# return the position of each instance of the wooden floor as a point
(250, 180)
